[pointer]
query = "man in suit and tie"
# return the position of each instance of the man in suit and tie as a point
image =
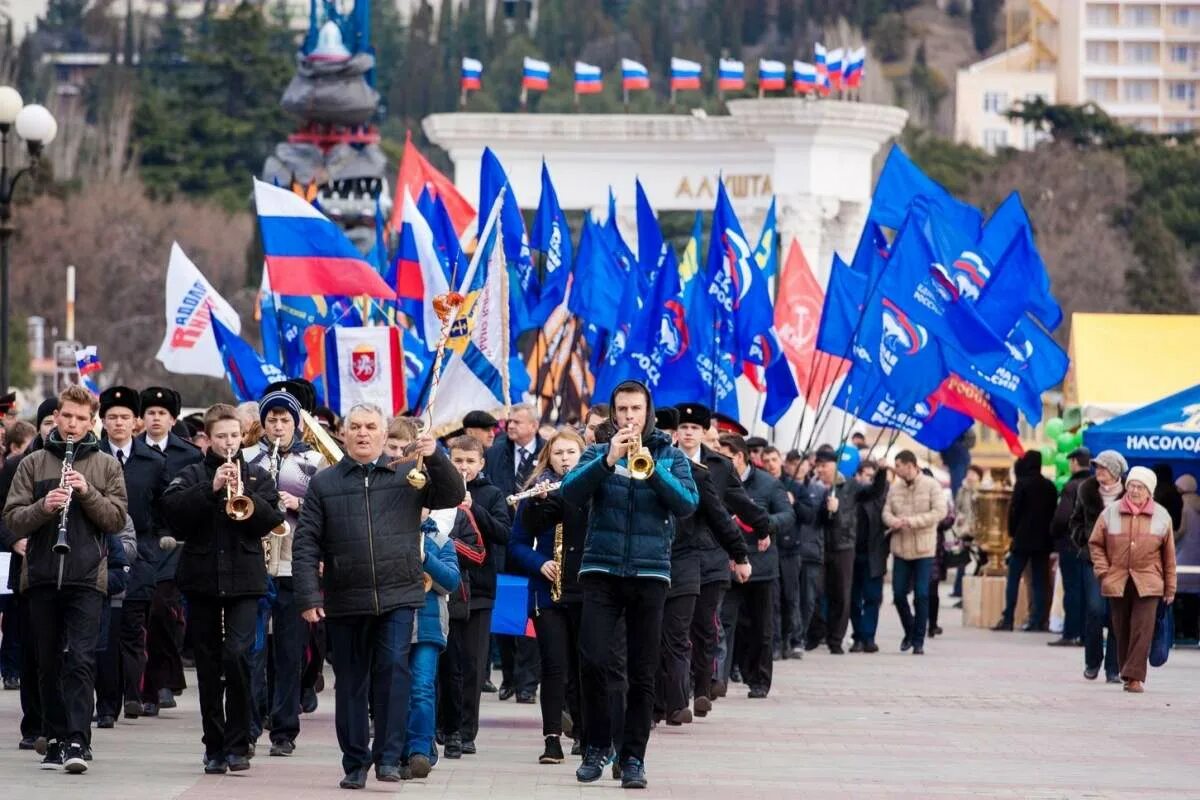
(145, 480)
(508, 464)
(164, 644)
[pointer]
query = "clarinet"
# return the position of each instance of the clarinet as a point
(62, 546)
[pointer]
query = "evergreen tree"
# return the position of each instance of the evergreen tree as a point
(129, 44)
(472, 30)
(388, 38)
(983, 23)
(550, 28)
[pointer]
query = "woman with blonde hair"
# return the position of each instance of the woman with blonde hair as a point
(1133, 554)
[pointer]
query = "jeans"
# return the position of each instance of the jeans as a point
(222, 635)
(557, 640)
(912, 572)
(1074, 591)
(66, 624)
(755, 601)
(606, 600)
(866, 595)
(839, 580)
(288, 642)
(370, 655)
(1040, 563)
(422, 705)
(1095, 649)
(675, 661)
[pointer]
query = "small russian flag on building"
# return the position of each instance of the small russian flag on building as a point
(684, 74)
(536, 75)
(634, 75)
(472, 74)
(772, 75)
(731, 75)
(587, 79)
(804, 77)
(856, 63)
(835, 68)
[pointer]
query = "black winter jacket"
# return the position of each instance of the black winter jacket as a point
(843, 524)
(220, 556)
(145, 482)
(539, 516)
(813, 533)
(1031, 512)
(714, 566)
(802, 504)
(492, 516)
(711, 525)
(364, 523)
(1089, 504)
(1060, 528)
(179, 454)
(770, 496)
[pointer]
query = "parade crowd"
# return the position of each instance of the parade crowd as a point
(669, 557)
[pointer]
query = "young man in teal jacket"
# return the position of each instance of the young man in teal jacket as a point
(626, 570)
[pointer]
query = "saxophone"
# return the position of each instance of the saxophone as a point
(556, 585)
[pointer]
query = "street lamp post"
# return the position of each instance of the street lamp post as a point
(36, 126)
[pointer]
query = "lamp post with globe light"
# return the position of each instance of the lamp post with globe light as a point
(36, 126)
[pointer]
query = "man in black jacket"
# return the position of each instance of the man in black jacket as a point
(1070, 562)
(757, 596)
(163, 677)
(487, 504)
(508, 463)
(362, 520)
(1029, 517)
(787, 610)
(862, 511)
(694, 421)
(813, 535)
(145, 481)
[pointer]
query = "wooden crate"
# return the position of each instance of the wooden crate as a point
(983, 600)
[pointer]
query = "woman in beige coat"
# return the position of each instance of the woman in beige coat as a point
(1133, 554)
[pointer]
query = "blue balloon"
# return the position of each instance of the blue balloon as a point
(848, 460)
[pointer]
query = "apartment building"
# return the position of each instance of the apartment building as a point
(1139, 60)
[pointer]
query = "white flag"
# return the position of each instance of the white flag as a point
(188, 347)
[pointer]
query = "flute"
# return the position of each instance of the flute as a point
(532, 491)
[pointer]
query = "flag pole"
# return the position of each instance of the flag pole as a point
(524, 98)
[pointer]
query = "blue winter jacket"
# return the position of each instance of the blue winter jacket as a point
(432, 624)
(631, 524)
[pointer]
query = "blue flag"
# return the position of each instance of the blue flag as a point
(524, 289)
(248, 374)
(418, 365)
(862, 397)
(599, 279)
(297, 312)
(551, 236)
(901, 181)
(781, 391)
(1018, 281)
(766, 254)
(845, 297)
(739, 288)
(268, 323)
(445, 241)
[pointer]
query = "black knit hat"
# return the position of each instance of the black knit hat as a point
(120, 397)
(46, 409)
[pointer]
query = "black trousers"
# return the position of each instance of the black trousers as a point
(519, 662)
(133, 648)
(839, 578)
(558, 642)
(223, 670)
(164, 642)
(789, 601)
(32, 721)
(451, 669)
(616, 689)
(672, 688)
(108, 665)
(66, 627)
(606, 600)
(289, 638)
(705, 620)
(476, 666)
(754, 601)
(811, 626)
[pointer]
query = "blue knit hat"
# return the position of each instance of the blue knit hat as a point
(279, 399)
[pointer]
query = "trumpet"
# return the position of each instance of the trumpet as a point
(62, 546)
(641, 463)
(238, 506)
(533, 491)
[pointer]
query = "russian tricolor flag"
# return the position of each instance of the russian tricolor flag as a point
(87, 360)
(587, 79)
(306, 253)
(835, 68)
(536, 75)
(684, 74)
(856, 63)
(634, 75)
(731, 75)
(804, 77)
(820, 58)
(772, 75)
(420, 274)
(472, 73)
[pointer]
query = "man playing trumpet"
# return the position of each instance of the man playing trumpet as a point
(636, 486)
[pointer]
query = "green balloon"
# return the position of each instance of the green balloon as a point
(1061, 466)
(1048, 455)
(1066, 442)
(1061, 481)
(1054, 427)
(1079, 438)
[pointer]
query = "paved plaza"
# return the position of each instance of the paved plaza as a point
(980, 715)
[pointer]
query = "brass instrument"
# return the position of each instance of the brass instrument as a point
(533, 491)
(62, 547)
(238, 506)
(991, 522)
(319, 439)
(641, 463)
(556, 584)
